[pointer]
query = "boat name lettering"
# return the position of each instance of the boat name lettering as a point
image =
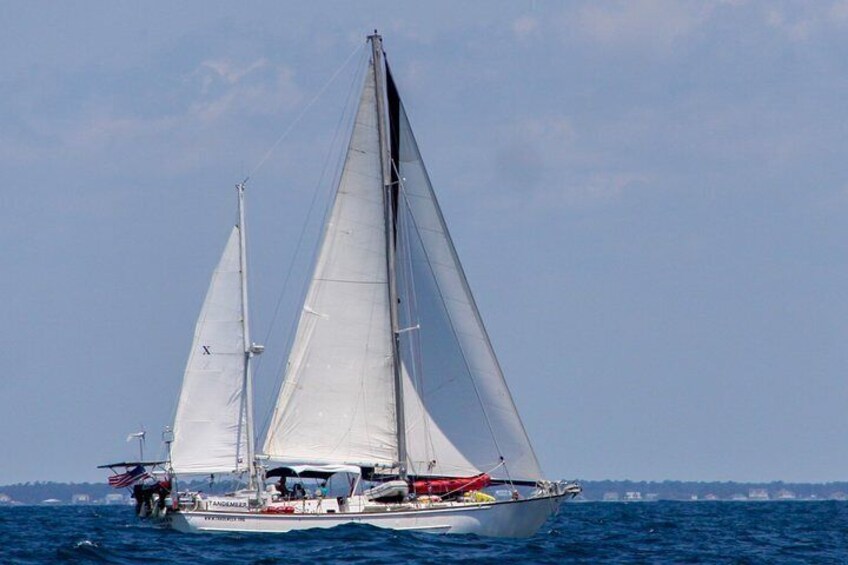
(228, 503)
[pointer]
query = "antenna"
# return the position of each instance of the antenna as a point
(168, 438)
(140, 437)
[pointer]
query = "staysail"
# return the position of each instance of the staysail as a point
(468, 422)
(210, 424)
(337, 400)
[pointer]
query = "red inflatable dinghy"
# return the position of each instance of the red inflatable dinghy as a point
(458, 485)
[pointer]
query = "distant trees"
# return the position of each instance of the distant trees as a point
(37, 492)
(723, 490)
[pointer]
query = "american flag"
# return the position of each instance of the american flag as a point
(126, 479)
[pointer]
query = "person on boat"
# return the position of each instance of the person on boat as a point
(298, 492)
(321, 491)
(282, 488)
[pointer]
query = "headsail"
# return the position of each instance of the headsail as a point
(337, 403)
(210, 425)
(455, 372)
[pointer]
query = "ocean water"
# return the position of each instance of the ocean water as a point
(649, 532)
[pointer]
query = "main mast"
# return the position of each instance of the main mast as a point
(249, 348)
(389, 212)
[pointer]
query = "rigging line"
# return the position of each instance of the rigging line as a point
(345, 123)
(336, 180)
(304, 110)
(340, 126)
(268, 154)
(315, 193)
(472, 479)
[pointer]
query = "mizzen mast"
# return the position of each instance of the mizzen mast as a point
(250, 349)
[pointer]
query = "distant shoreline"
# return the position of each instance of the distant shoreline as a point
(54, 493)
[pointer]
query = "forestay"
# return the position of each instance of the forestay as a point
(210, 425)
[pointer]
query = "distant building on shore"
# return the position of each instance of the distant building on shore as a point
(758, 494)
(115, 498)
(80, 499)
(633, 496)
(784, 494)
(611, 497)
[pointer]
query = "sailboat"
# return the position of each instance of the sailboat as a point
(392, 394)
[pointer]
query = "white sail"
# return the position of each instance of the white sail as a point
(455, 372)
(430, 451)
(337, 399)
(209, 426)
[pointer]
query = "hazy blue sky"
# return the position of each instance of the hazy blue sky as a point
(649, 197)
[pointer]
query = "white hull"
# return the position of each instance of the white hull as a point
(520, 518)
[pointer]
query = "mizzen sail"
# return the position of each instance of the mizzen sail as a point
(210, 423)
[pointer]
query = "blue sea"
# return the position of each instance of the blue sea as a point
(649, 532)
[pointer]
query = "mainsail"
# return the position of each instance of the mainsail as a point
(337, 400)
(210, 426)
(337, 403)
